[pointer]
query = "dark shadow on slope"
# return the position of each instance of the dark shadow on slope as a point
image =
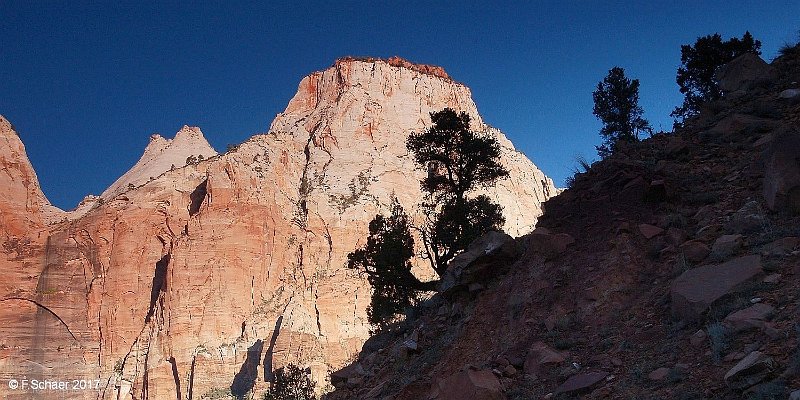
(245, 379)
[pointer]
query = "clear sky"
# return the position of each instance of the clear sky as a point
(86, 84)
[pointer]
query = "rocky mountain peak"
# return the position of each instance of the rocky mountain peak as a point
(397, 61)
(371, 86)
(23, 206)
(190, 133)
(364, 109)
(161, 155)
(157, 144)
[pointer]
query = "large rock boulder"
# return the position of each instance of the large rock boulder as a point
(541, 356)
(547, 244)
(752, 317)
(469, 384)
(581, 383)
(725, 246)
(737, 126)
(782, 172)
(744, 73)
(650, 231)
(748, 219)
(695, 251)
(754, 368)
(348, 373)
(694, 290)
(484, 256)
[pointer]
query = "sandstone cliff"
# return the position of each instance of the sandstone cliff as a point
(203, 279)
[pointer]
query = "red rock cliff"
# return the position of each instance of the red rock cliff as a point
(212, 273)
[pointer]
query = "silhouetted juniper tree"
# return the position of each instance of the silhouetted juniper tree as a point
(700, 62)
(616, 104)
(386, 260)
(458, 160)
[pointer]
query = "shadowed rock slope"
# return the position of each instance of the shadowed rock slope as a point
(667, 271)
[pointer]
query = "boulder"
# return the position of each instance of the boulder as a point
(411, 343)
(581, 383)
(752, 317)
(483, 257)
(509, 371)
(789, 94)
(540, 355)
(347, 374)
(634, 190)
(676, 146)
(782, 172)
(694, 290)
(726, 246)
(549, 245)
(708, 232)
(469, 384)
(747, 219)
(659, 374)
(792, 95)
(753, 369)
(676, 236)
(745, 72)
(698, 338)
(649, 231)
(658, 191)
(737, 125)
(782, 246)
(695, 251)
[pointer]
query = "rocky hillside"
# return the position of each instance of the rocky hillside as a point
(667, 271)
(197, 281)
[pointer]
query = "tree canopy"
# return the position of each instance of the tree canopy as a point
(699, 63)
(291, 383)
(616, 104)
(386, 260)
(458, 160)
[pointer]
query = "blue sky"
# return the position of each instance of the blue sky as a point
(86, 84)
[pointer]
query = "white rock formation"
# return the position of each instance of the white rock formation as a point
(160, 156)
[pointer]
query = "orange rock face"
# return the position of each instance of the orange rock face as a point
(205, 278)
